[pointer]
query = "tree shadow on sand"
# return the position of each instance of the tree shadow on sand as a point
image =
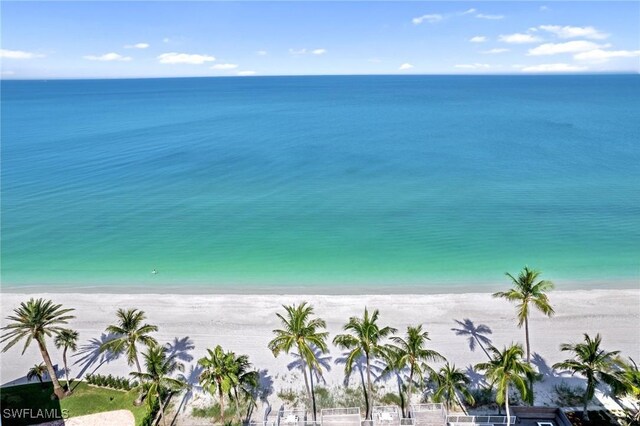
(192, 379)
(323, 359)
(180, 348)
(476, 334)
(90, 354)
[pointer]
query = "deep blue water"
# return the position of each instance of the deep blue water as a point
(320, 181)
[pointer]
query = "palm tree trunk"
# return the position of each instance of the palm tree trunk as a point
(66, 369)
(401, 394)
(313, 394)
(57, 389)
(506, 405)
(587, 397)
(235, 397)
(306, 381)
(526, 335)
(364, 389)
(410, 389)
(137, 363)
(164, 421)
(370, 386)
(221, 396)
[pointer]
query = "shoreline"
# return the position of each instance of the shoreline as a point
(427, 288)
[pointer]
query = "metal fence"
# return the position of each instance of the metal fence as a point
(479, 420)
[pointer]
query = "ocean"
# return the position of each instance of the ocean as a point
(320, 184)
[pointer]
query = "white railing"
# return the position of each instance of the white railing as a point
(340, 411)
(479, 420)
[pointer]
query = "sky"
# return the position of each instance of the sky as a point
(122, 39)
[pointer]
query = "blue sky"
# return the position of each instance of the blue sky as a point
(165, 39)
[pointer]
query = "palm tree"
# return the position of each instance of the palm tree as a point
(36, 320)
(247, 380)
(413, 354)
(219, 374)
(300, 330)
(129, 331)
(67, 339)
(593, 363)
(629, 386)
(37, 372)
(156, 378)
(365, 339)
(394, 364)
(526, 290)
(450, 381)
(506, 368)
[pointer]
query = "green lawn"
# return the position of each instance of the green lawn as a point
(84, 400)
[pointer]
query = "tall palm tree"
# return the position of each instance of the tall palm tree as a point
(450, 382)
(528, 290)
(365, 339)
(300, 330)
(504, 369)
(37, 372)
(219, 374)
(156, 379)
(67, 339)
(593, 363)
(36, 320)
(129, 331)
(413, 353)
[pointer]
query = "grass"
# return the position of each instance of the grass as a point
(84, 400)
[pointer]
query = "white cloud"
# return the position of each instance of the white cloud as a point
(8, 72)
(184, 58)
(137, 46)
(469, 11)
(405, 66)
(261, 53)
(475, 66)
(224, 66)
(108, 57)
(544, 8)
(18, 54)
(518, 38)
(553, 68)
(432, 19)
(573, 32)
(599, 55)
(319, 51)
(567, 47)
(478, 39)
(166, 40)
(297, 51)
(493, 17)
(494, 51)
(245, 73)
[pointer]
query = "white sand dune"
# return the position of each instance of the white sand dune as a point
(244, 323)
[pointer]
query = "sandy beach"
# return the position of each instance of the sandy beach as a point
(244, 323)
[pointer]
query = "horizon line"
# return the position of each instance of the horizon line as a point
(522, 74)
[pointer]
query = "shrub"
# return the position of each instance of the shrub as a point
(567, 396)
(119, 383)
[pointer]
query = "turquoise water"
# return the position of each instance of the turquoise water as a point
(320, 183)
